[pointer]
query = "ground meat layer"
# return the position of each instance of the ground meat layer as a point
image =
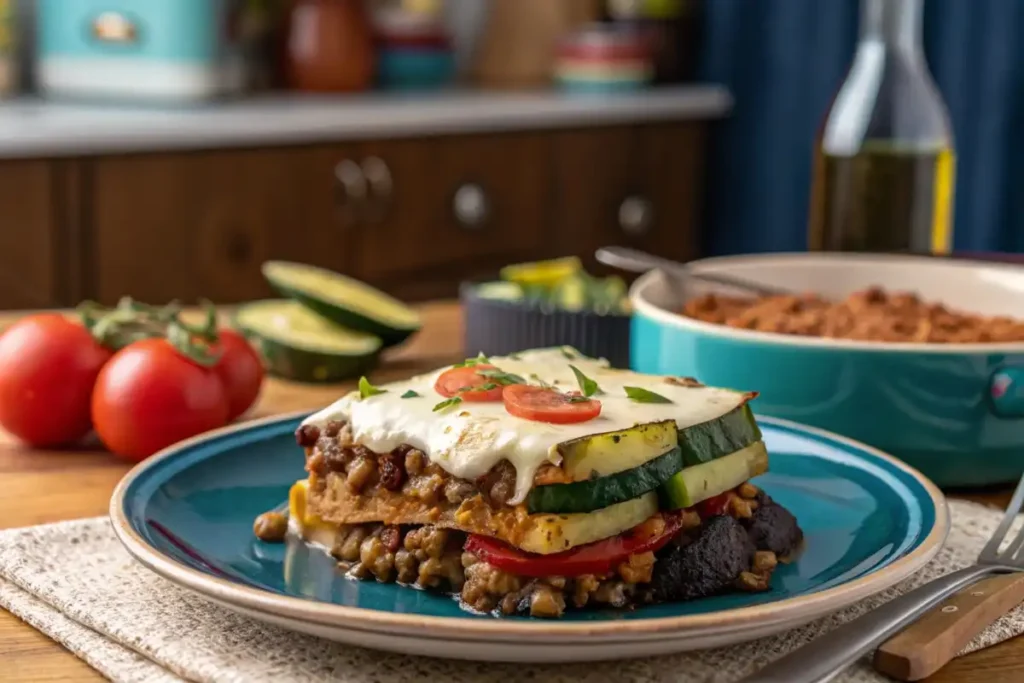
(735, 551)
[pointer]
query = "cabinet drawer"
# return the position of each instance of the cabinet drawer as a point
(637, 186)
(32, 195)
(443, 209)
(185, 226)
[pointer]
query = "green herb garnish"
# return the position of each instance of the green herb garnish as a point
(480, 359)
(578, 399)
(536, 378)
(567, 353)
(501, 377)
(447, 403)
(587, 386)
(410, 394)
(366, 390)
(641, 395)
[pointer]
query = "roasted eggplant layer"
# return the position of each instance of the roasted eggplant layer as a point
(736, 549)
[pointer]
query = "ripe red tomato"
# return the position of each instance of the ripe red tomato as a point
(460, 381)
(241, 371)
(48, 365)
(149, 396)
(542, 404)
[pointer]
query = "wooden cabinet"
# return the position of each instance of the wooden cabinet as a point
(413, 216)
(637, 187)
(185, 226)
(442, 210)
(34, 259)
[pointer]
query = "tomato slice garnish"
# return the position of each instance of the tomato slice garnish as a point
(460, 382)
(542, 404)
(598, 558)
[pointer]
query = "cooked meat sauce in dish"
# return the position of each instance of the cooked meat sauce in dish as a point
(618, 490)
(870, 315)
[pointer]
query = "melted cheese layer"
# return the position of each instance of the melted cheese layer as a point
(471, 438)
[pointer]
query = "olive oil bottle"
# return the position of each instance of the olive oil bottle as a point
(884, 168)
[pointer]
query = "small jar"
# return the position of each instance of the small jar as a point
(329, 46)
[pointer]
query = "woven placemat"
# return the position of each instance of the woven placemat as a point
(74, 582)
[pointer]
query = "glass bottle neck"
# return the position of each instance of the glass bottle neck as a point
(897, 23)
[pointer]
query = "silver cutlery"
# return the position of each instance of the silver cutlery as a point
(829, 655)
(636, 261)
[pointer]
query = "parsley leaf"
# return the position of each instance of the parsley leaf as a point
(447, 403)
(410, 394)
(480, 359)
(366, 390)
(501, 377)
(641, 395)
(587, 386)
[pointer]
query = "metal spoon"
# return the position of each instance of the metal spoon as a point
(638, 261)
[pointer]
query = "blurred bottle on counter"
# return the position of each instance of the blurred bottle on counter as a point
(884, 162)
(672, 28)
(329, 46)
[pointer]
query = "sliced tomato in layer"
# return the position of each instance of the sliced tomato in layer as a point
(464, 382)
(714, 506)
(543, 404)
(598, 558)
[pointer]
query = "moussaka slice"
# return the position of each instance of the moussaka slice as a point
(540, 482)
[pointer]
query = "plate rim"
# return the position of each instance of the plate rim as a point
(377, 621)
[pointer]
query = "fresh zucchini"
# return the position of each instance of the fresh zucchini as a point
(586, 496)
(721, 436)
(555, 533)
(600, 455)
(545, 274)
(345, 301)
(694, 484)
(299, 345)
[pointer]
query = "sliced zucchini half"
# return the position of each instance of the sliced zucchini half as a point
(298, 344)
(343, 300)
(600, 455)
(719, 437)
(695, 484)
(586, 496)
(554, 533)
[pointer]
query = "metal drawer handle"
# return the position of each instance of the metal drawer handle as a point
(636, 216)
(471, 206)
(381, 186)
(352, 190)
(114, 27)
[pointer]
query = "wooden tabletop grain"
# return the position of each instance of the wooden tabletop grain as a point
(35, 488)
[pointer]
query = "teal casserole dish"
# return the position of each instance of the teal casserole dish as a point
(953, 411)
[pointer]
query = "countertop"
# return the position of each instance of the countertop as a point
(48, 486)
(32, 127)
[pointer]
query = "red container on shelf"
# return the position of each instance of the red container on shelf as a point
(329, 46)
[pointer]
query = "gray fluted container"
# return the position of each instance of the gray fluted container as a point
(499, 328)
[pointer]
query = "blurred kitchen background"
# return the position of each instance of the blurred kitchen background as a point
(166, 148)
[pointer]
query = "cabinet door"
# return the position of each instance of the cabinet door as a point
(185, 226)
(636, 186)
(31, 196)
(445, 209)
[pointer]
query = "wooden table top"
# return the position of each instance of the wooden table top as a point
(34, 491)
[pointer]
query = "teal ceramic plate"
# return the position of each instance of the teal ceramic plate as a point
(187, 514)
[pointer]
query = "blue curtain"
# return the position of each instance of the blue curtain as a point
(783, 61)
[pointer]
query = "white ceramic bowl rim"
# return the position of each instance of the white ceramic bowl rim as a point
(641, 305)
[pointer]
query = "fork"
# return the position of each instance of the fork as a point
(827, 656)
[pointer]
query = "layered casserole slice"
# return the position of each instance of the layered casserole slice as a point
(540, 482)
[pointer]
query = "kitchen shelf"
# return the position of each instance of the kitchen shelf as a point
(32, 127)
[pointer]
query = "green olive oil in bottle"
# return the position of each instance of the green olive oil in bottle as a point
(884, 162)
